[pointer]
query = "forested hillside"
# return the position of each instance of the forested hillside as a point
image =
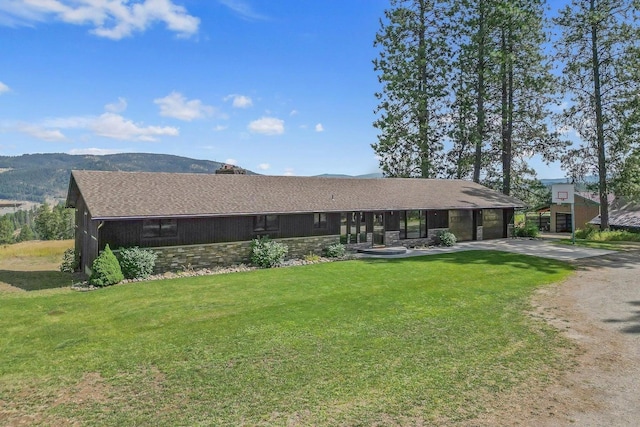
(35, 177)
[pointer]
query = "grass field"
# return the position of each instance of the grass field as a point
(403, 341)
(33, 265)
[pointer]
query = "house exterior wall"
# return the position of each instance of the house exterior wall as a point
(176, 258)
(86, 236)
(585, 210)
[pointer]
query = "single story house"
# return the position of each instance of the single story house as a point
(623, 215)
(205, 220)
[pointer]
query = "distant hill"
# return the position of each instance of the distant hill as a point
(36, 177)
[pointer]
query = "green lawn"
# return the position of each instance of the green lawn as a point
(611, 245)
(347, 343)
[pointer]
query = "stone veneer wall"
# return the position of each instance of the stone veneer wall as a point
(175, 258)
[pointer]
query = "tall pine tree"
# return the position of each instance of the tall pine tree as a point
(598, 48)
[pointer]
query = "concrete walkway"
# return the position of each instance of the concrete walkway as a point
(536, 247)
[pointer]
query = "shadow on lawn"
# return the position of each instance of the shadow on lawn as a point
(480, 258)
(36, 280)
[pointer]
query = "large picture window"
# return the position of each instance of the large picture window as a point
(266, 223)
(412, 225)
(152, 228)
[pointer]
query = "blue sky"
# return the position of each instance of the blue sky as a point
(279, 87)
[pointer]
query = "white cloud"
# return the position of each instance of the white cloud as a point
(117, 107)
(243, 9)
(289, 172)
(240, 101)
(319, 127)
(95, 151)
(51, 135)
(231, 161)
(293, 113)
(115, 126)
(3, 88)
(264, 166)
(113, 19)
(267, 126)
(220, 128)
(177, 106)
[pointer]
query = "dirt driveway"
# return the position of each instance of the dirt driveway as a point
(598, 308)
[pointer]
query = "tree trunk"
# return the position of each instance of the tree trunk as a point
(597, 94)
(477, 165)
(507, 108)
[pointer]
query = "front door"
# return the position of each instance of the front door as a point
(378, 229)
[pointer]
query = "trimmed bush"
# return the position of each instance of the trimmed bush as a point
(136, 263)
(69, 261)
(528, 230)
(446, 238)
(105, 270)
(266, 253)
(337, 250)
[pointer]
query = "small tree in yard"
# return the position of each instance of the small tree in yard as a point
(69, 261)
(105, 270)
(266, 253)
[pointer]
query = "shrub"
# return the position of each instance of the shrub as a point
(311, 257)
(266, 253)
(586, 233)
(69, 261)
(136, 263)
(337, 250)
(528, 230)
(445, 238)
(105, 270)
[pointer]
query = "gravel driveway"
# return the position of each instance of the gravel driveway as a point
(598, 309)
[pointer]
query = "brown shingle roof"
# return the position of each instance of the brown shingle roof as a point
(150, 194)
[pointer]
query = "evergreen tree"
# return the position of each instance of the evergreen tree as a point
(599, 50)
(412, 68)
(6, 230)
(26, 233)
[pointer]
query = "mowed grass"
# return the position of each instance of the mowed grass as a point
(404, 341)
(33, 265)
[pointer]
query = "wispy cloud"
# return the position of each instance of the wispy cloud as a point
(111, 125)
(240, 101)
(3, 88)
(177, 106)
(267, 126)
(289, 172)
(50, 135)
(243, 9)
(113, 19)
(319, 127)
(117, 107)
(231, 161)
(264, 166)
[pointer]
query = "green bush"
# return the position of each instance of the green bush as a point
(266, 253)
(586, 233)
(528, 230)
(69, 261)
(337, 250)
(136, 263)
(614, 236)
(445, 238)
(105, 270)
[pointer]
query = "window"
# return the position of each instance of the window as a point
(152, 228)
(265, 223)
(319, 220)
(412, 225)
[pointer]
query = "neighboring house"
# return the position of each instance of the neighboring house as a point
(202, 220)
(623, 215)
(586, 206)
